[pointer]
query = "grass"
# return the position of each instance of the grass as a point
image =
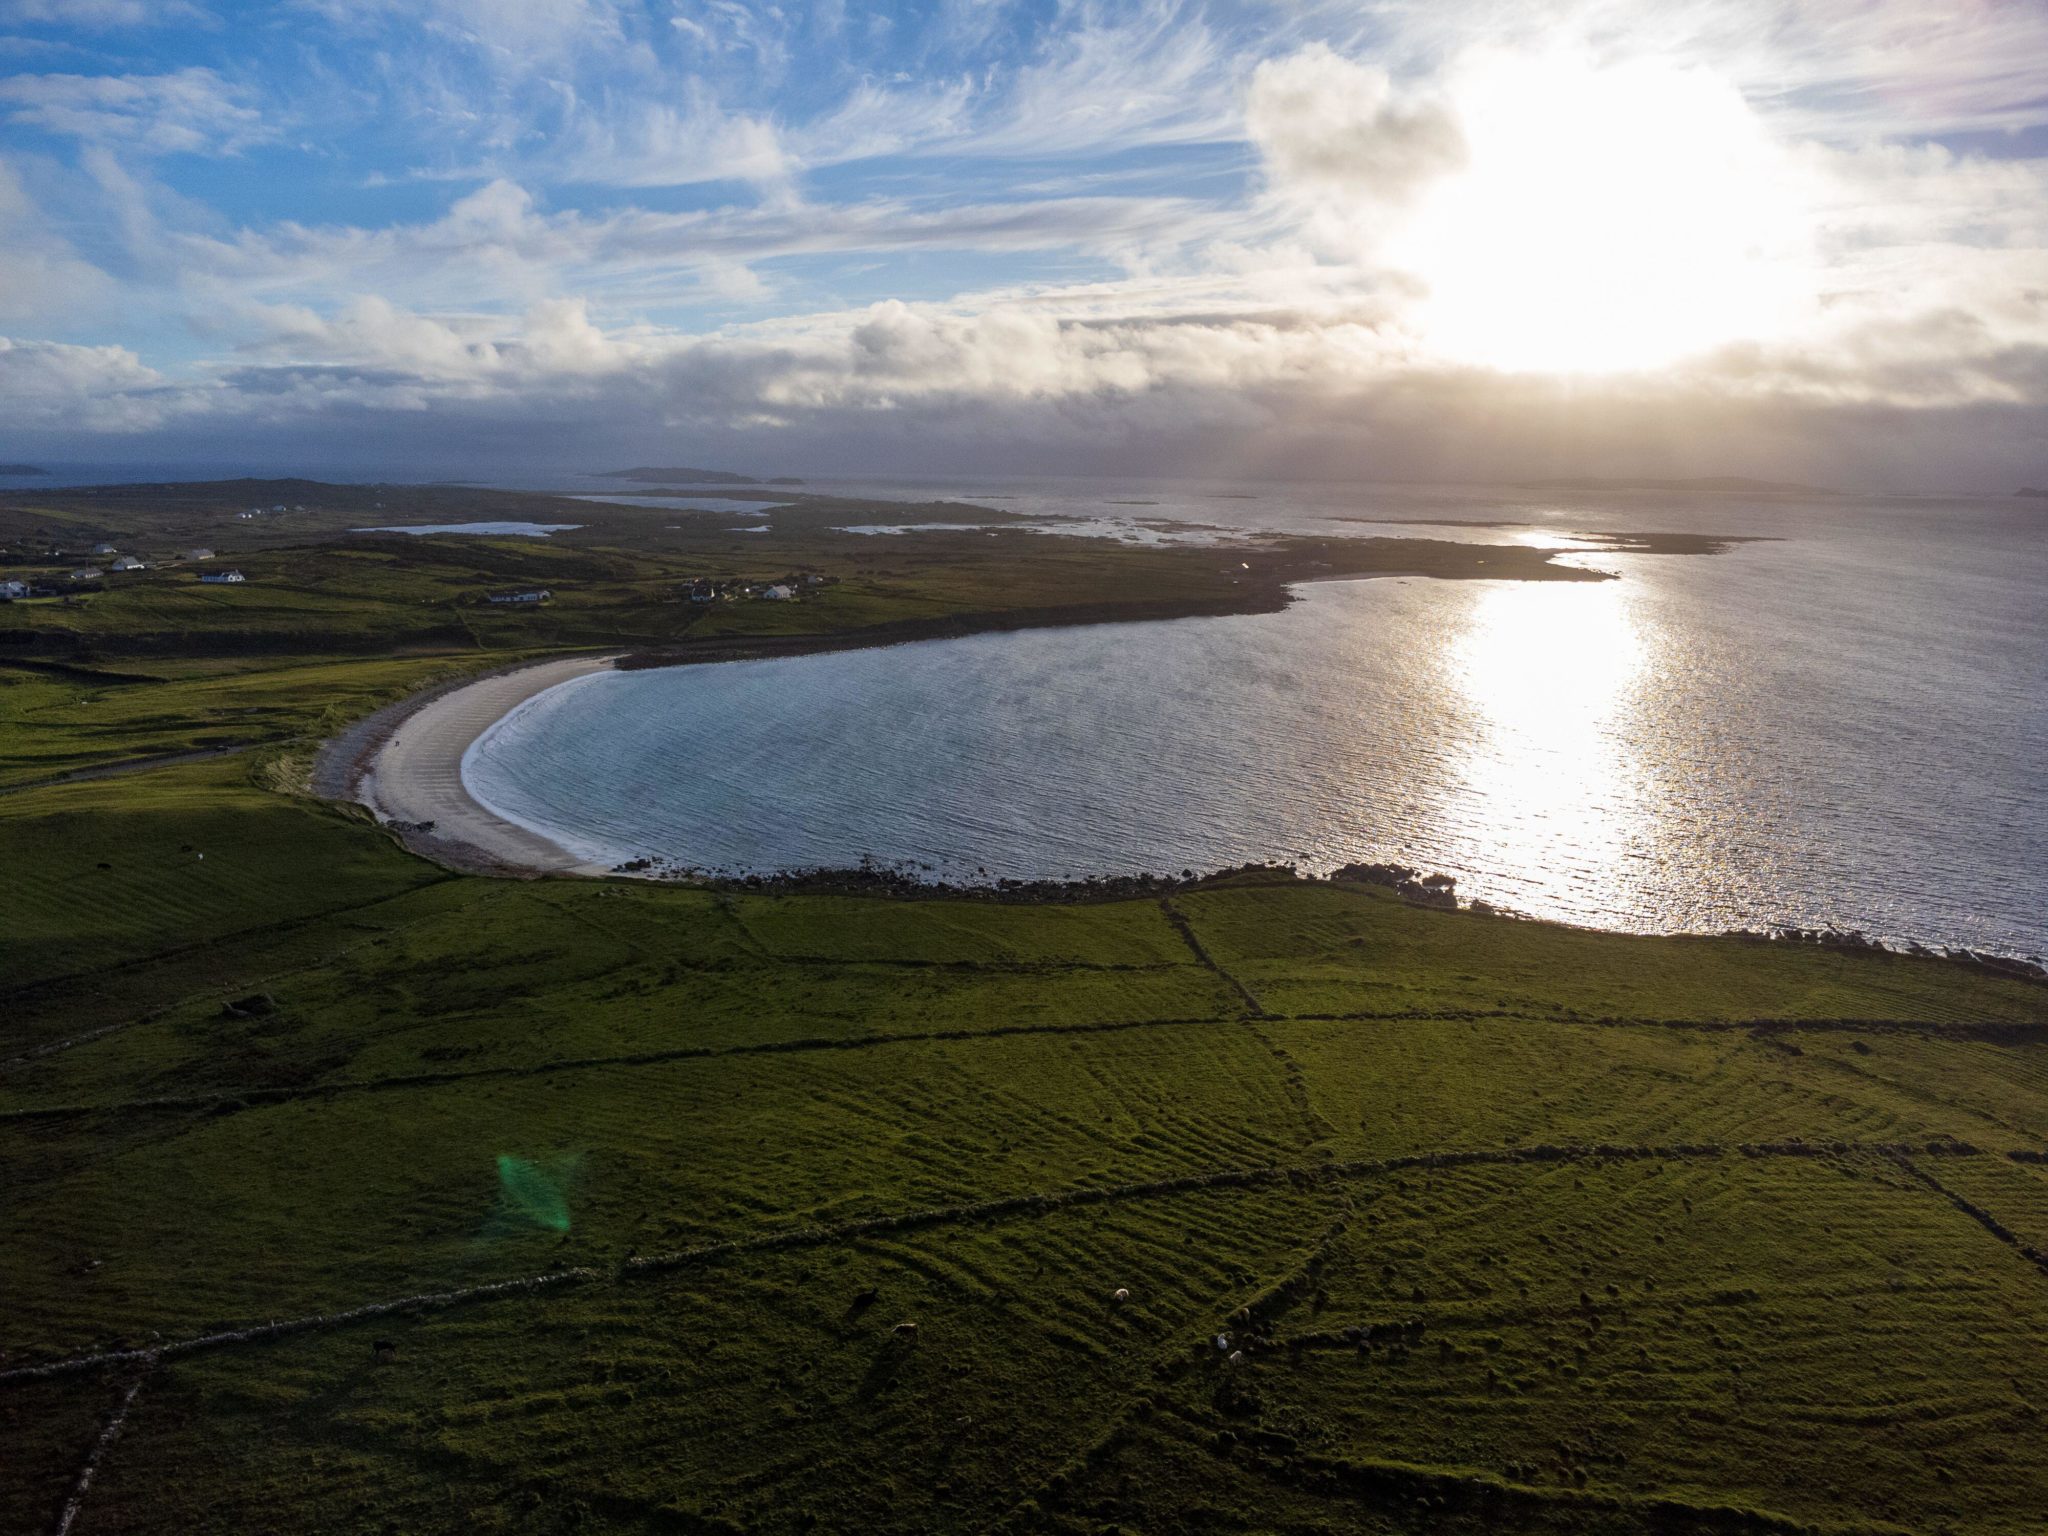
(1812, 1337)
(105, 874)
(1324, 949)
(691, 1068)
(1641, 1235)
(52, 724)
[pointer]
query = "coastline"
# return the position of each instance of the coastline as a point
(404, 764)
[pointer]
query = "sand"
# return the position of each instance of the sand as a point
(405, 764)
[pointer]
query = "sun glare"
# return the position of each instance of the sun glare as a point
(1550, 671)
(1608, 218)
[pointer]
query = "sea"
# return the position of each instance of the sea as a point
(1840, 724)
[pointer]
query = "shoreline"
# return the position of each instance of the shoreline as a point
(412, 782)
(403, 763)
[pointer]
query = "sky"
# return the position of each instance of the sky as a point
(1392, 239)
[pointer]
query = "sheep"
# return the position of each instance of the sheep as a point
(1121, 1295)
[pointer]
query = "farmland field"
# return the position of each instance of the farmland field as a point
(1507, 1223)
(342, 1193)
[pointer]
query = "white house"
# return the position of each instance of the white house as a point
(778, 594)
(219, 578)
(10, 590)
(87, 573)
(106, 549)
(537, 595)
(198, 554)
(127, 563)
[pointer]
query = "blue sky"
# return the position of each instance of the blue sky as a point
(1383, 237)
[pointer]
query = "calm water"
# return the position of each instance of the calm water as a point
(1844, 726)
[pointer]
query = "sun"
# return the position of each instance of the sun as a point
(1607, 218)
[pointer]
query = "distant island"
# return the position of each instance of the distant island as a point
(1716, 484)
(684, 475)
(37, 469)
(2030, 491)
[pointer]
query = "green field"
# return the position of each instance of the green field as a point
(1510, 1226)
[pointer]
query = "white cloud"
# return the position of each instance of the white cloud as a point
(188, 111)
(1152, 73)
(875, 119)
(1325, 123)
(40, 273)
(102, 15)
(518, 34)
(497, 247)
(662, 144)
(46, 384)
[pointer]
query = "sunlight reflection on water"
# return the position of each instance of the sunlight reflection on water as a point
(1548, 672)
(1789, 733)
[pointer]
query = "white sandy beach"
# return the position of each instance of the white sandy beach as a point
(415, 774)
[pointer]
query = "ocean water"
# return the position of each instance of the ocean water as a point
(1843, 725)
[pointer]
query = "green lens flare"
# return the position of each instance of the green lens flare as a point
(531, 1194)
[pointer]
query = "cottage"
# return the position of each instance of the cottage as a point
(198, 554)
(221, 578)
(703, 592)
(537, 595)
(87, 573)
(10, 591)
(106, 549)
(127, 563)
(779, 594)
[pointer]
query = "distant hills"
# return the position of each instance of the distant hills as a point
(1716, 484)
(684, 475)
(22, 469)
(2028, 490)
